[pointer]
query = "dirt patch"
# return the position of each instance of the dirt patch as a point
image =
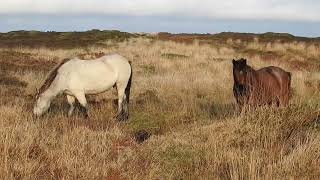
(114, 175)
(35, 152)
(121, 144)
(17, 61)
(141, 135)
(12, 81)
(303, 65)
(88, 56)
(174, 56)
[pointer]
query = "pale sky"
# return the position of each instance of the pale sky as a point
(299, 17)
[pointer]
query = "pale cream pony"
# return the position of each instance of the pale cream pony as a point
(76, 78)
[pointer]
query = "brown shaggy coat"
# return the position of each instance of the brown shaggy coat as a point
(269, 85)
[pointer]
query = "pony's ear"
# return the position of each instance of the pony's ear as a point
(245, 61)
(233, 61)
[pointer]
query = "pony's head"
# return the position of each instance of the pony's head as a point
(42, 105)
(240, 71)
(42, 98)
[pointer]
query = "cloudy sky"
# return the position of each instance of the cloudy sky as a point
(299, 17)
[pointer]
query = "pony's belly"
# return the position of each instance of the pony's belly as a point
(98, 88)
(89, 85)
(96, 91)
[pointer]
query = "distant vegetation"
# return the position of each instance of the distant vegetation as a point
(94, 37)
(60, 39)
(243, 37)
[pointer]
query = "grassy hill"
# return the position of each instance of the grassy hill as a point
(60, 39)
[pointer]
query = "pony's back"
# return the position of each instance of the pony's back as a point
(274, 85)
(279, 75)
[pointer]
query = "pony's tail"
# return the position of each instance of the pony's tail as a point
(127, 90)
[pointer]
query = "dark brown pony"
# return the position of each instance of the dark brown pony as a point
(266, 86)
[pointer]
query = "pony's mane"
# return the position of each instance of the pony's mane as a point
(250, 69)
(51, 76)
(251, 75)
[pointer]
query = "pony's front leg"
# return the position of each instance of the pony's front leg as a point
(71, 100)
(83, 103)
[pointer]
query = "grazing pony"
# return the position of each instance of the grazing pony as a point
(76, 78)
(269, 85)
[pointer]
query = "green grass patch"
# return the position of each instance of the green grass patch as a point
(148, 68)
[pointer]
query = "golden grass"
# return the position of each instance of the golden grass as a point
(182, 95)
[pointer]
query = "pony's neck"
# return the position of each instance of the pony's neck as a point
(250, 69)
(49, 94)
(251, 75)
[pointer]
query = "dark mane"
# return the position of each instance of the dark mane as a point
(242, 65)
(251, 76)
(51, 76)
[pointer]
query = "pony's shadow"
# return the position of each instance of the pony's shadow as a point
(101, 114)
(61, 105)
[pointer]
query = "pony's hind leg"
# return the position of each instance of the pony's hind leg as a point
(122, 113)
(83, 103)
(71, 100)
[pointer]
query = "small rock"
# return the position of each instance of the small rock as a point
(141, 135)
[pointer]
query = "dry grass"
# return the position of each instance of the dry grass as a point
(182, 95)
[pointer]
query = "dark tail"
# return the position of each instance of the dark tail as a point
(127, 91)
